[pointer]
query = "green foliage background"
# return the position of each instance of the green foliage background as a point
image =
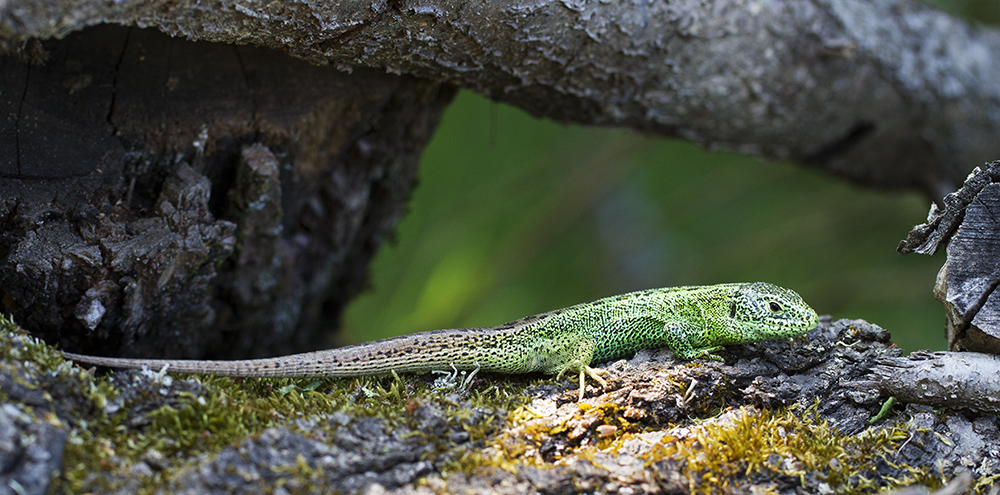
(515, 216)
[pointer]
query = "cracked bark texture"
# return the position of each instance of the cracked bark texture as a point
(161, 197)
(967, 283)
(890, 93)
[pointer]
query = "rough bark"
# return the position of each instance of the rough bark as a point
(890, 92)
(161, 197)
(956, 380)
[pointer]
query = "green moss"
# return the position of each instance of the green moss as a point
(25, 357)
(230, 410)
(29, 350)
(109, 434)
(299, 478)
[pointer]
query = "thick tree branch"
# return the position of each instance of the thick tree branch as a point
(888, 92)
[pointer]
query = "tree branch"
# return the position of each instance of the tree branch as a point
(889, 93)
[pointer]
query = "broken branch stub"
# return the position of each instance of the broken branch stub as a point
(969, 227)
(957, 380)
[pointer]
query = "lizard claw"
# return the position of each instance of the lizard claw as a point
(596, 373)
(593, 373)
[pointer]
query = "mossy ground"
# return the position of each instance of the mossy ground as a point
(156, 426)
(162, 423)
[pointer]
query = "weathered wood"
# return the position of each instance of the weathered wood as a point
(887, 92)
(969, 225)
(956, 380)
(928, 237)
(165, 197)
(971, 276)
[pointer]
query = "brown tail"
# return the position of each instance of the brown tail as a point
(425, 351)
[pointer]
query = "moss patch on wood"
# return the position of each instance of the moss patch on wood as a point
(776, 417)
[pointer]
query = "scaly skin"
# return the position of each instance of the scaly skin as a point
(694, 322)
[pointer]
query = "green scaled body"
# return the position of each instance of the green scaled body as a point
(694, 322)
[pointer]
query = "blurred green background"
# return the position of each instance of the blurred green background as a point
(515, 216)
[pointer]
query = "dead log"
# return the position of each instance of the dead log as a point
(165, 197)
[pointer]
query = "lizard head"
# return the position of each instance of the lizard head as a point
(762, 311)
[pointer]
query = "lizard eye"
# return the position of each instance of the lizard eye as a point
(732, 311)
(775, 307)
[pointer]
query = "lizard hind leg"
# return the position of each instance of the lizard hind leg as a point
(576, 357)
(593, 373)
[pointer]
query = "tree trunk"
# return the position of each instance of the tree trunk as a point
(162, 197)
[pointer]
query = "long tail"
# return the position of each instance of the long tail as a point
(439, 349)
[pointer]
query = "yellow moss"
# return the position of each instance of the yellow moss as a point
(985, 484)
(721, 452)
(783, 442)
(520, 443)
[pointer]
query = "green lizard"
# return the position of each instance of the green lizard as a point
(694, 322)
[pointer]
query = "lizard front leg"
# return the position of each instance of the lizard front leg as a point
(684, 341)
